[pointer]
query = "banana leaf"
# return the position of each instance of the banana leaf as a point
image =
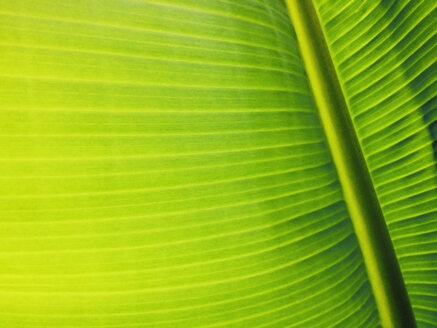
(218, 163)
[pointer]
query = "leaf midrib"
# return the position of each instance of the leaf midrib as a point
(359, 192)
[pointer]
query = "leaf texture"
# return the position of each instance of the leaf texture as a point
(384, 53)
(162, 163)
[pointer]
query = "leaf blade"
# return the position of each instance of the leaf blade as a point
(190, 190)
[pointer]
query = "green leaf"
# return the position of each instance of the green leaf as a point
(163, 164)
(384, 53)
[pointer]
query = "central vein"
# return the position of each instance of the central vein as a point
(359, 193)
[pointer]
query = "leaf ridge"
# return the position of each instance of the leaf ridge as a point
(354, 175)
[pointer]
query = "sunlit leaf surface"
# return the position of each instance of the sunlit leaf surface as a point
(162, 163)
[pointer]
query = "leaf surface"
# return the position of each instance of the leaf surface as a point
(162, 164)
(384, 53)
